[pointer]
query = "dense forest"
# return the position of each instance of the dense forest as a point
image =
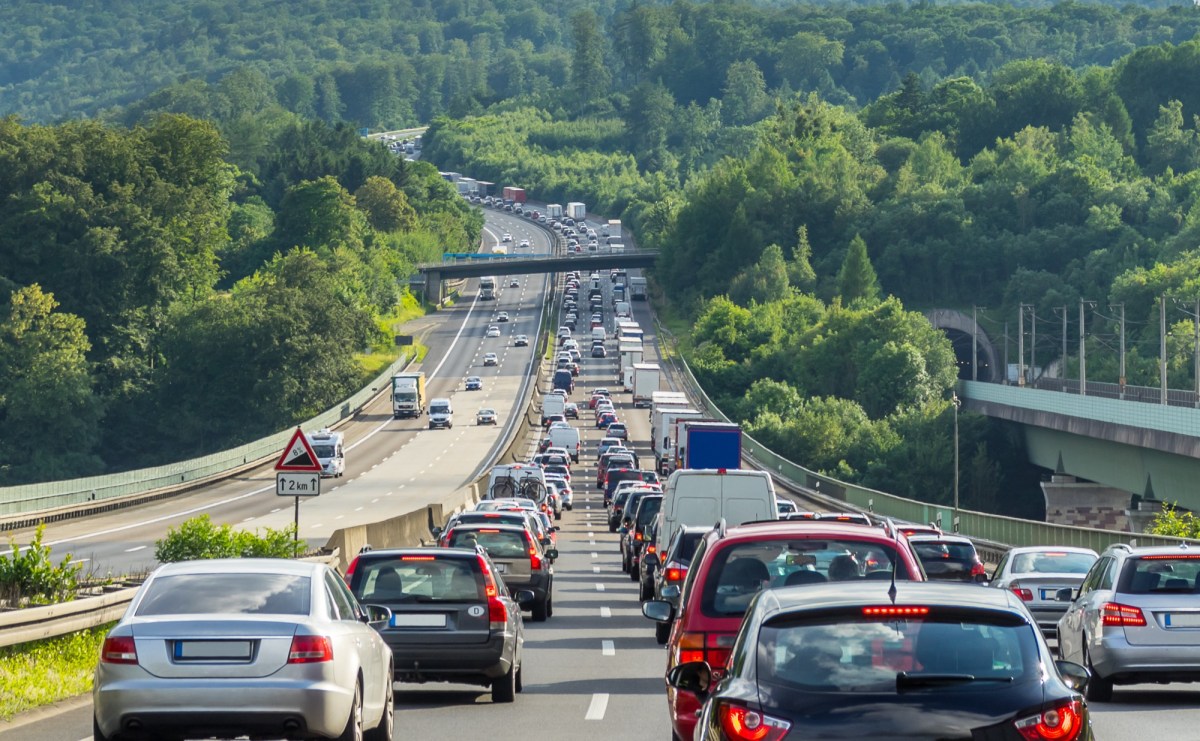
(811, 173)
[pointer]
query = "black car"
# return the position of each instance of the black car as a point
(949, 558)
(453, 619)
(598, 351)
(640, 518)
(852, 660)
(671, 570)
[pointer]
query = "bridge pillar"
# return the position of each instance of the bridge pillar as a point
(1085, 504)
(433, 287)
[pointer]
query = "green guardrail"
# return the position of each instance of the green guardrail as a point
(1011, 531)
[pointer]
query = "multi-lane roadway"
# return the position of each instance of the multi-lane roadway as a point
(593, 671)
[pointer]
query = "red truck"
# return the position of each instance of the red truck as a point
(513, 195)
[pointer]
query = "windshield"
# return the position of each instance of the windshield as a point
(324, 451)
(439, 409)
(1058, 562)
(422, 579)
(239, 594)
(406, 395)
(741, 571)
(648, 510)
(853, 653)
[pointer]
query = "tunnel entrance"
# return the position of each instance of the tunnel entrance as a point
(961, 341)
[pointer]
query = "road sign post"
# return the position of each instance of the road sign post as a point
(299, 474)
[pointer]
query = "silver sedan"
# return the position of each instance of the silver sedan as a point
(258, 647)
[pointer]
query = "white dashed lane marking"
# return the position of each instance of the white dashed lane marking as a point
(597, 707)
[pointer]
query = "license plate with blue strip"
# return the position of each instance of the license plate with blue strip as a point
(1181, 619)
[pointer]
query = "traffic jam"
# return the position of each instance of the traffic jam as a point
(775, 622)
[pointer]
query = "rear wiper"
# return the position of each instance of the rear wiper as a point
(904, 679)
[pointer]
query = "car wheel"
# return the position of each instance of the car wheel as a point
(1099, 689)
(387, 724)
(612, 528)
(645, 591)
(662, 631)
(97, 734)
(633, 572)
(504, 689)
(558, 515)
(540, 611)
(354, 724)
(550, 607)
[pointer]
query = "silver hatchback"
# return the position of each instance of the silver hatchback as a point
(258, 647)
(1136, 618)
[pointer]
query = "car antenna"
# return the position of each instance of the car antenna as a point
(895, 561)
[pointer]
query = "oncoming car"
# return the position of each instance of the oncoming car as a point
(486, 416)
(206, 646)
(490, 359)
(520, 341)
(473, 383)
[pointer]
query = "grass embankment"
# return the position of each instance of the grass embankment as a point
(43, 672)
(384, 354)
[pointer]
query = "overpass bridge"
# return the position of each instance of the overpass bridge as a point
(435, 273)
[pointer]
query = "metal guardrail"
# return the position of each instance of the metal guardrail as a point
(994, 529)
(44, 498)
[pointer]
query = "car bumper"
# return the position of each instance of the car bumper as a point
(439, 662)
(1047, 619)
(1115, 658)
(152, 708)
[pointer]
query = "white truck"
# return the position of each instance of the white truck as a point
(659, 429)
(408, 394)
(637, 288)
(703, 497)
(623, 310)
(554, 211)
(631, 353)
(331, 454)
(611, 228)
(668, 436)
(668, 398)
(577, 211)
(645, 383)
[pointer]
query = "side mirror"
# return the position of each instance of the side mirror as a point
(552, 554)
(982, 579)
(693, 676)
(1075, 675)
(658, 610)
(651, 559)
(1066, 594)
(524, 597)
(545, 540)
(671, 591)
(377, 616)
(436, 532)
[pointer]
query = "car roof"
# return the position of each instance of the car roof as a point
(944, 538)
(1149, 550)
(423, 551)
(769, 529)
(1050, 549)
(853, 594)
(239, 566)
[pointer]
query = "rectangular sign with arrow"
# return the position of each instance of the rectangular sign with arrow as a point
(292, 484)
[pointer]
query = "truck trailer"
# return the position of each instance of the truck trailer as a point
(645, 383)
(513, 194)
(577, 211)
(709, 445)
(408, 394)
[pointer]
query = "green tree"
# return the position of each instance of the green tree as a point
(385, 205)
(320, 214)
(857, 281)
(1169, 144)
(590, 78)
(799, 268)
(763, 282)
(745, 94)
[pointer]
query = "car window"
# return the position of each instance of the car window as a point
(498, 543)
(1092, 580)
(246, 594)
(1052, 562)
(739, 572)
(934, 550)
(648, 510)
(685, 547)
(417, 579)
(854, 653)
(342, 601)
(1160, 574)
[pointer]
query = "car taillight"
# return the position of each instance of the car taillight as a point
(651, 548)
(743, 724)
(350, 570)
(890, 611)
(1126, 616)
(1063, 722)
(977, 569)
(310, 650)
(489, 581)
(691, 647)
(637, 536)
(717, 649)
(119, 650)
(675, 572)
(497, 613)
(1025, 594)
(535, 561)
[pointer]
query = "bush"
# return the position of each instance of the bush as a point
(29, 577)
(1170, 522)
(199, 538)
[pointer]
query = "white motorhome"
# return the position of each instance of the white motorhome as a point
(331, 454)
(703, 497)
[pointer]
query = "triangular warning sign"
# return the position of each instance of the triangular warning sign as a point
(298, 455)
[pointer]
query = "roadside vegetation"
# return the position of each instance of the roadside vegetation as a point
(43, 672)
(1170, 521)
(29, 576)
(200, 538)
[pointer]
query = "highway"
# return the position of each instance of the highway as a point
(593, 671)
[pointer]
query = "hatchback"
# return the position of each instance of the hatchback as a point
(949, 558)
(260, 647)
(520, 341)
(618, 430)
(864, 661)
(502, 316)
(598, 351)
(486, 416)
(1037, 573)
(571, 410)
(672, 568)
(519, 558)
(733, 565)
(452, 619)
(493, 331)
(1135, 618)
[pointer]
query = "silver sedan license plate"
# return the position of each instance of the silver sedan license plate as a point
(213, 650)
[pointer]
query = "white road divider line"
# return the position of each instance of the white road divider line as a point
(135, 548)
(607, 648)
(595, 554)
(606, 612)
(599, 587)
(595, 569)
(595, 710)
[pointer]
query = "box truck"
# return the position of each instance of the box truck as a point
(709, 445)
(408, 394)
(554, 211)
(513, 195)
(645, 383)
(637, 288)
(577, 211)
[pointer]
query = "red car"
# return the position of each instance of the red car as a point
(732, 565)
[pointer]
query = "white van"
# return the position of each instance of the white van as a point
(565, 437)
(553, 404)
(598, 333)
(441, 413)
(704, 496)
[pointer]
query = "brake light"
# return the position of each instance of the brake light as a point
(119, 650)
(1126, 616)
(651, 549)
(637, 536)
(977, 569)
(1173, 557)
(1026, 595)
(717, 649)
(497, 613)
(743, 724)
(350, 570)
(891, 611)
(676, 573)
(691, 647)
(416, 558)
(1063, 722)
(489, 581)
(310, 650)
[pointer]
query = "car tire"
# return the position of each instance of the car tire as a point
(541, 611)
(634, 573)
(354, 723)
(1099, 689)
(97, 734)
(662, 631)
(387, 724)
(645, 592)
(520, 677)
(504, 689)
(558, 515)
(612, 528)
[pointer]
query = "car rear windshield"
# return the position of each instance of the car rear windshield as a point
(739, 572)
(1160, 574)
(226, 594)
(1052, 562)
(423, 578)
(849, 652)
(498, 543)
(933, 550)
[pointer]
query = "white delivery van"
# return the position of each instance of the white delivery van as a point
(702, 497)
(553, 404)
(565, 437)
(441, 413)
(598, 333)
